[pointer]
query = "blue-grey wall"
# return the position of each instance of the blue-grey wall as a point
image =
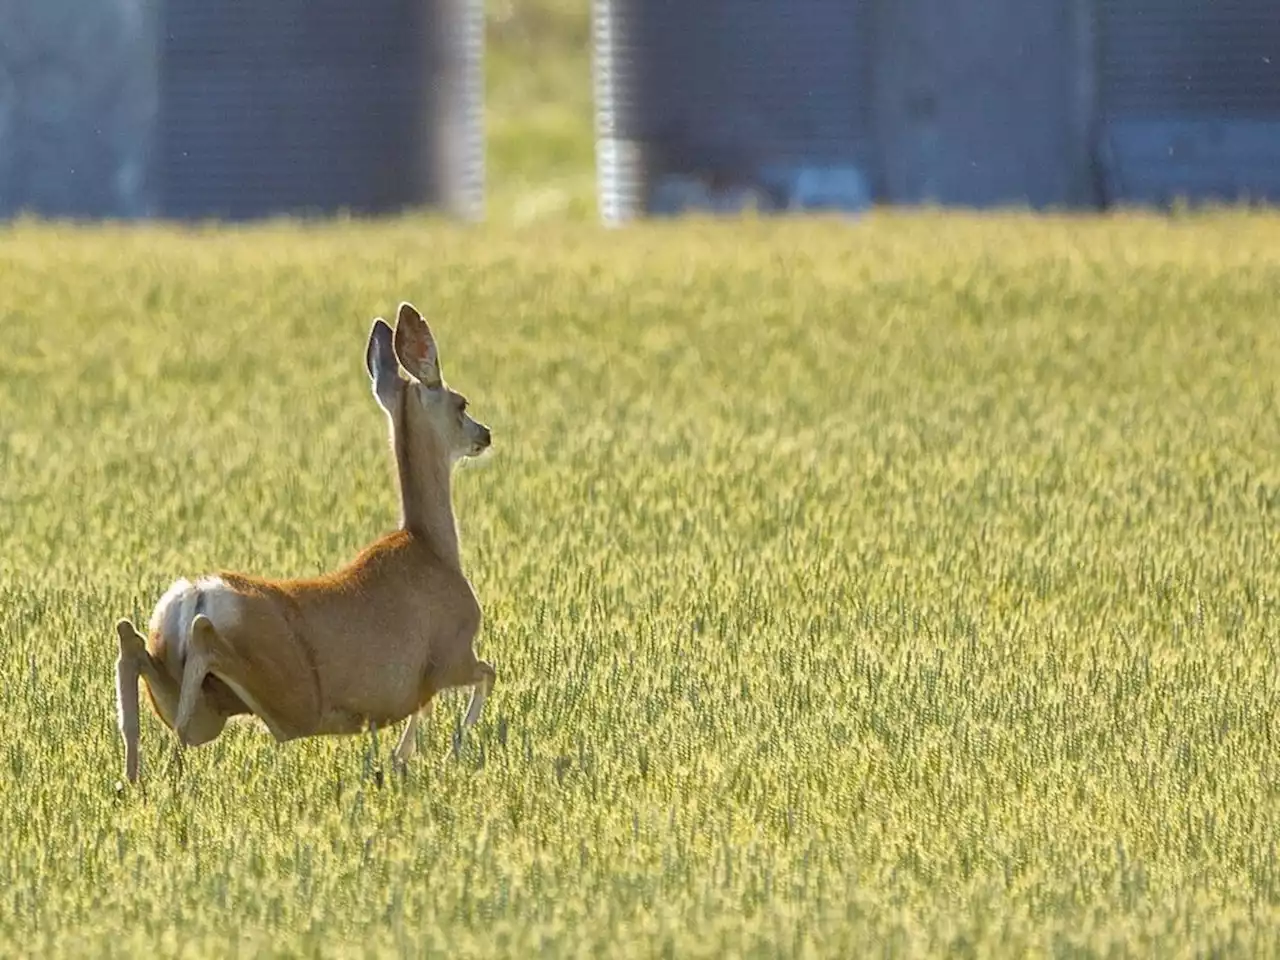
(1039, 103)
(77, 104)
(980, 102)
(1189, 100)
(974, 102)
(239, 108)
(287, 106)
(734, 94)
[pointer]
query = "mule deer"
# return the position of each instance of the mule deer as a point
(364, 646)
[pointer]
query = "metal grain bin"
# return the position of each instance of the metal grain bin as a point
(319, 106)
(983, 103)
(77, 104)
(1189, 94)
(712, 104)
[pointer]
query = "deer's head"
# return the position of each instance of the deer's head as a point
(404, 367)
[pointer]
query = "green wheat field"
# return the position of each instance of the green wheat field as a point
(896, 587)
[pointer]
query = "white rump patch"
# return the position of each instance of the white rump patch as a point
(177, 608)
(221, 603)
(168, 605)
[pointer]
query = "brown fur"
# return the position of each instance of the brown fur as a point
(363, 646)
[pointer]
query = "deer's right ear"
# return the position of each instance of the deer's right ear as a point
(380, 359)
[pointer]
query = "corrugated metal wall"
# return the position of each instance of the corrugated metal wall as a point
(323, 105)
(1189, 96)
(974, 102)
(709, 98)
(314, 106)
(77, 106)
(980, 102)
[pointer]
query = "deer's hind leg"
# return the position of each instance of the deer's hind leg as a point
(279, 692)
(164, 688)
(136, 663)
(128, 669)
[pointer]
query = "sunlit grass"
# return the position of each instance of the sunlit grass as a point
(539, 111)
(900, 586)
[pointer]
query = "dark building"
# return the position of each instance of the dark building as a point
(77, 103)
(837, 103)
(1188, 100)
(240, 109)
(318, 106)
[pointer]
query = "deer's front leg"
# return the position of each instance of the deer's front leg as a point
(482, 678)
(408, 744)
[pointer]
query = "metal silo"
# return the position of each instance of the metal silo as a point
(983, 103)
(711, 104)
(319, 106)
(77, 105)
(1189, 94)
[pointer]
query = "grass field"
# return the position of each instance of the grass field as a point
(539, 112)
(901, 587)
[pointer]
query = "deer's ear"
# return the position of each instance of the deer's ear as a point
(416, 347)
(380, 360)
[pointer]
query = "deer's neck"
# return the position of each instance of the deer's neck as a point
(426, 502)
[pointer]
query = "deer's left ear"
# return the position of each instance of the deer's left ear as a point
(380, 361)
(416, 347)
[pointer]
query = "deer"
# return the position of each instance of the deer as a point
(361, 647)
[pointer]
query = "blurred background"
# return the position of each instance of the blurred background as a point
(527, 109)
